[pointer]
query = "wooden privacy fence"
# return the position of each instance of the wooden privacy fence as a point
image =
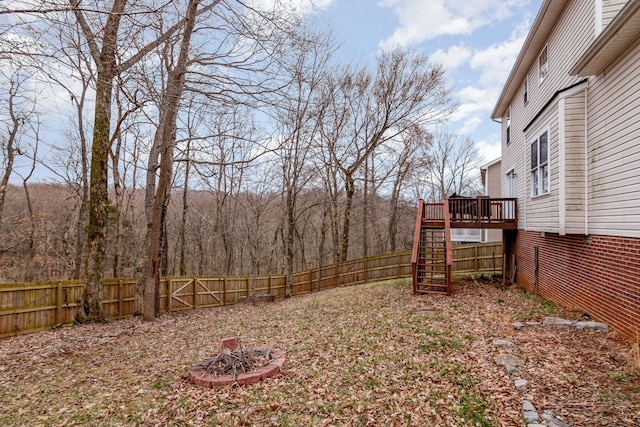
(30, 307)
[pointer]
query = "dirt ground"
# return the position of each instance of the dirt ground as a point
(372, 354)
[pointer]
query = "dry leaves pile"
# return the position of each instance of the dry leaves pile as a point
(365, 355)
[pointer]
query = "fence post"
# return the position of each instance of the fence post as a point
(493, 261)
(120, 297)
(224, 291)
(169, 294)
(195, 292)
(247, 287)
(59, 303)
(269, 285)
(366, 275)
(475, 253)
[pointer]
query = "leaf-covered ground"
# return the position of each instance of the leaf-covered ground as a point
(365, 355)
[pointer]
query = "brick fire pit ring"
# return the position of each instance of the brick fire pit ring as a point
(200, 376)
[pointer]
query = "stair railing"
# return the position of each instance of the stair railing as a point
(416, 245)
(448, 248)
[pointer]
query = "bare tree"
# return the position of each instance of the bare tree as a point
(406, 90)
(455, 163)
(17, 111)
(103, 44)
(167, 131)
(299, 125)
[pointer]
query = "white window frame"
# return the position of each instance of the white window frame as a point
(543, 67)
(539, 166)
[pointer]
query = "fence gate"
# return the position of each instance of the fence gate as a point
(191, 293)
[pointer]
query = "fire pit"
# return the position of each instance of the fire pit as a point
(233, 364)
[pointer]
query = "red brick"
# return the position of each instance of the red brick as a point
(599, 277)
(230, 343)
(249, 378)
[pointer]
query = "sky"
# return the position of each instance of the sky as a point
(476, 41)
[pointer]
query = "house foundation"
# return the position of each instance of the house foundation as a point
(599, 275)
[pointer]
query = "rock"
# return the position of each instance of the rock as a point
(508, 359)
(426, 312)
(530, 416)
(504, 344)
(532, 323)
(536, 425)
(596, 326)
(518, 325)
(556, 321)
(552, 421)
(528, 406)
(520, 384)
(510, 369)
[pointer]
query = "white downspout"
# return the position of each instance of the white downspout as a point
(562, 170)
(586, 160)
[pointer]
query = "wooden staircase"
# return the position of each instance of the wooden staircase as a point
(432, 255)
(431, 259)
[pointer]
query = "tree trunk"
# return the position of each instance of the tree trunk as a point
(90, 308)
(10, 152)
(291, 226)
(350, 189)
(183, 222)
(170, 107)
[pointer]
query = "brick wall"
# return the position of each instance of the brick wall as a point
(599, 275)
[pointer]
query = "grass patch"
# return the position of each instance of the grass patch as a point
(620, 377)
(473, 409)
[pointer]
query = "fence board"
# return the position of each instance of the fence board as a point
(36, 306)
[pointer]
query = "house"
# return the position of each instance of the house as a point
(491, 175)
(570, 114)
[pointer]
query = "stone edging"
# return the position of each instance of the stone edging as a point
(209, 380)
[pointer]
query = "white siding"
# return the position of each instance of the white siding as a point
(542, 212)
(614, 149)
(494, 176)
(610, 9)
(569, 39)
(575, 178)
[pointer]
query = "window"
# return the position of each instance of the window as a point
(543, 65)
(526, 89)
(540, 165)
(509, 126)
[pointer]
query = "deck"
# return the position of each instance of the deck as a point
(432, 253)
(481, 212)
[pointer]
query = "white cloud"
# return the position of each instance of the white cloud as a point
(424, 20)
(489, 150)
(454, 57)
(303, 7)
(470, 125)
(496, 61)
(474, 101)
(493, 65)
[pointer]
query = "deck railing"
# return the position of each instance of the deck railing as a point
(483, 212)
